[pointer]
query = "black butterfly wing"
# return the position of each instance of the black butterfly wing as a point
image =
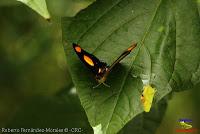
(122, 56)
(92, 62)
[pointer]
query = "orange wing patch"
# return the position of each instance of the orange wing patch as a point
(88, 60)
(78, 49)
(132, 47)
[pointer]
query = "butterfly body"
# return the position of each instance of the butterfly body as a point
(99, 68)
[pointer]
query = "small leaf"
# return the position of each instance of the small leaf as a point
(39, 6)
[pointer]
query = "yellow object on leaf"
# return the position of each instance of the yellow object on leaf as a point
(147, 97)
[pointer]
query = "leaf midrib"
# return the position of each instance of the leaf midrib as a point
(126, 75)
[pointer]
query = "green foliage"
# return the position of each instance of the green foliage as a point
(36, 87)
(167, 56)
(63, 8)
(51, 112)
(58, 8)
(146, 123)
(32, 62)
(39, 6)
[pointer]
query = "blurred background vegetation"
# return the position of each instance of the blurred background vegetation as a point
(35, 87)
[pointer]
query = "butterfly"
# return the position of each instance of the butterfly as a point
(99, 68)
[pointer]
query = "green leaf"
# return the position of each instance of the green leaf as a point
(39, 6)
(167, 55)
(63, 8)
(147, 123)
(186, 72)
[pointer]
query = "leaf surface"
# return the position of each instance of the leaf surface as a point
(167, 55)
(147, 123)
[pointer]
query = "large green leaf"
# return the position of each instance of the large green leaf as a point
(167, 55)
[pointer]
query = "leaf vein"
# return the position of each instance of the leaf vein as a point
(123, 82)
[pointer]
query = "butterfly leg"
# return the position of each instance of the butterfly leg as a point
(97, 85)
(106, 85)
(100, 84)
